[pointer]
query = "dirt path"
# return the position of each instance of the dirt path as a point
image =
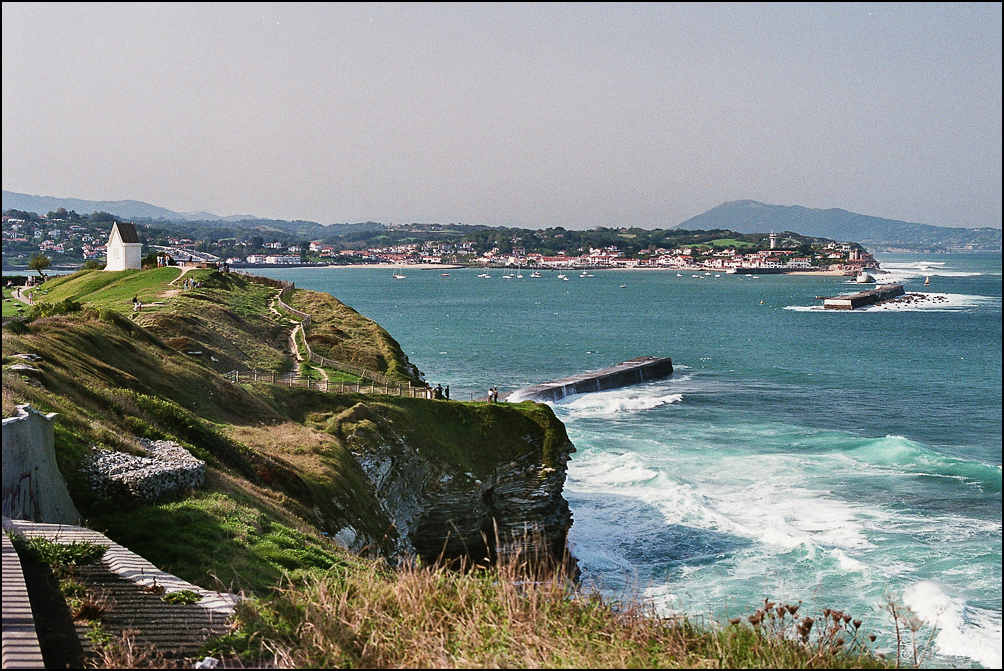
(171, 293)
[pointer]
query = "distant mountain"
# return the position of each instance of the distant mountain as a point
(875, 233)
(189, 223)
(127, 209)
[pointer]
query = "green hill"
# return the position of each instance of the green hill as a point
(115, 375)
(875, 233)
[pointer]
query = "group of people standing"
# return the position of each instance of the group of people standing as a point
(441, 393)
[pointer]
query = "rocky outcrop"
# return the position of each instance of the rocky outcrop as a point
(440, 509)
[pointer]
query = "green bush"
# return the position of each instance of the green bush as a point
(58, 554)
(17, 327)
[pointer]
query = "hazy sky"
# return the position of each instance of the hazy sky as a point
(515, 114)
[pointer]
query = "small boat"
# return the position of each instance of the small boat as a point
(562, 276)
(535, 274)
(927, 281)
(444, 274)
(397, 276)
(679, 275)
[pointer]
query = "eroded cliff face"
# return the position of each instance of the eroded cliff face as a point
(462, 480)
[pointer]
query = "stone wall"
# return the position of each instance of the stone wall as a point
(635, 371)
(168, 471)
(33, 487)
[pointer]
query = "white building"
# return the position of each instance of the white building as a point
(125, 251)
(282, 259)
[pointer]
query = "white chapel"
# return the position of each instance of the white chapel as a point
(125, 251)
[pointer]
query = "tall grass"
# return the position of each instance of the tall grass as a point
(517, 614)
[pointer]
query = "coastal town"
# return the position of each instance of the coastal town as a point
(69, 239)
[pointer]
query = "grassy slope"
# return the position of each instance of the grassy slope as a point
(279, 476)
(338, 332)
(275, 453)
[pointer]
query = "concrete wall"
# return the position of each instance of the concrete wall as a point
(33, 488)
(863, 298)
(641, 369)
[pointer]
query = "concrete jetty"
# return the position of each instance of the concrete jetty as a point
(862, 298)
(641, 369)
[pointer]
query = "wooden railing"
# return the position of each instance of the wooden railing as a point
(271, 377)
(378, 383)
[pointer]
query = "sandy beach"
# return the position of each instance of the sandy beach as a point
(823, 273)
(445, 267)
(388, 266)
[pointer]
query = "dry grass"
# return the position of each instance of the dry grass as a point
(124, 652)
(92, 606)
(519, 614)
(299, 445)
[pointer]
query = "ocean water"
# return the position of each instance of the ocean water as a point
(840, 458)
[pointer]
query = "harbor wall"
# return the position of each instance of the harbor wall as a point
(862, 298)
(641, 369)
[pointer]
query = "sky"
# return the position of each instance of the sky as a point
(529, 115)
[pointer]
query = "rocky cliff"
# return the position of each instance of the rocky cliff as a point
(456, 481)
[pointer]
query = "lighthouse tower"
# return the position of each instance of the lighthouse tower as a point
(773, 240)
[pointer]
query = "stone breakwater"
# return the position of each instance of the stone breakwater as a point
(167, 471)
(640, 369)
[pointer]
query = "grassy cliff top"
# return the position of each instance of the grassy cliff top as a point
(273, 453)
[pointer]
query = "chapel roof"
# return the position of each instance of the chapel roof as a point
(126, 231)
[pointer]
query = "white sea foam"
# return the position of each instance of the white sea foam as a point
(900, 272)
(912, 302)
(963, 630)
(606, 403)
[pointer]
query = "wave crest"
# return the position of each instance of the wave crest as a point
(603, 404)
(904, 454)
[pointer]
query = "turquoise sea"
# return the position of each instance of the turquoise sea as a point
(840, 458)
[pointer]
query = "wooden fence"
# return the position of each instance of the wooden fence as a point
(287, 380)
(378, 383)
